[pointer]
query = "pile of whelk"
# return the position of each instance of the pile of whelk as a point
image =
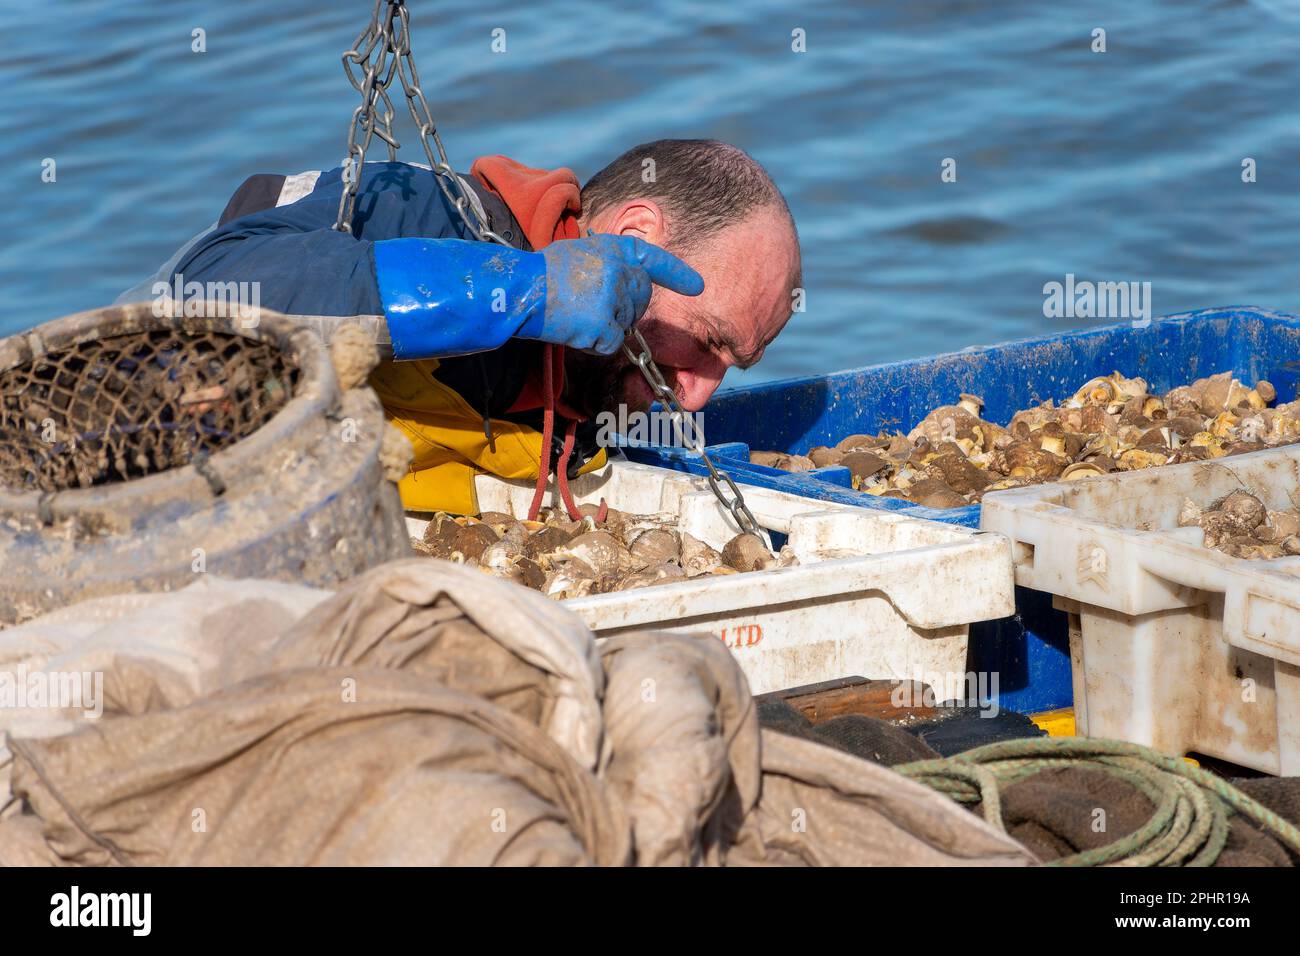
(953, 457)
(1240, 525)
(607, 550)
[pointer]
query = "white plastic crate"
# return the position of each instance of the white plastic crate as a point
(876, 594)
(1173, 645)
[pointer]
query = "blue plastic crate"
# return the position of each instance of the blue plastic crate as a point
(1030, 650)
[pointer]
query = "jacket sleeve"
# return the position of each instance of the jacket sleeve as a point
(304, 271)
(441, 296)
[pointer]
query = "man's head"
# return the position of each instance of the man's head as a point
(714, 207)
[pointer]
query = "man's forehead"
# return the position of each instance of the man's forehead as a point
(750, 269)
(759, 255)
(766, 237)
(749, 313)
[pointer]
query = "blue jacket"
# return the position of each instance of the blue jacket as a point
(306, 267)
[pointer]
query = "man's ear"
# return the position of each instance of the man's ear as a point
(641, 219)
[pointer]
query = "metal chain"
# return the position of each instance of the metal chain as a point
(735, 504)
(372, 57)
(382, 51)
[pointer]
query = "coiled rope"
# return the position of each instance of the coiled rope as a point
(1193, 807)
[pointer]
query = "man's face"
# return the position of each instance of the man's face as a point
(748, 272)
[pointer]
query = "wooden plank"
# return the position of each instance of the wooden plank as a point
(855, 695)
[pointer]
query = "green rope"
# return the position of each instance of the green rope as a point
(1189, 826)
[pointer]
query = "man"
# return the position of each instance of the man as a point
(491, 343)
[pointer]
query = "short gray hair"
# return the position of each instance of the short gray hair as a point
(702, 184)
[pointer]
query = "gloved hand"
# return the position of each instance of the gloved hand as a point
(445, 297)
(596, 288)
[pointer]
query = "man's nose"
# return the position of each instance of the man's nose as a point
(695, 386)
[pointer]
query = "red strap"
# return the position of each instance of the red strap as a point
(562, 471)
(548, 432)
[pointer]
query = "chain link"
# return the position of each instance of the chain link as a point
(382, 51)
(735, 504)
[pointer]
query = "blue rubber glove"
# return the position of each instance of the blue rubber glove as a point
(445, 297)
(596, 288)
